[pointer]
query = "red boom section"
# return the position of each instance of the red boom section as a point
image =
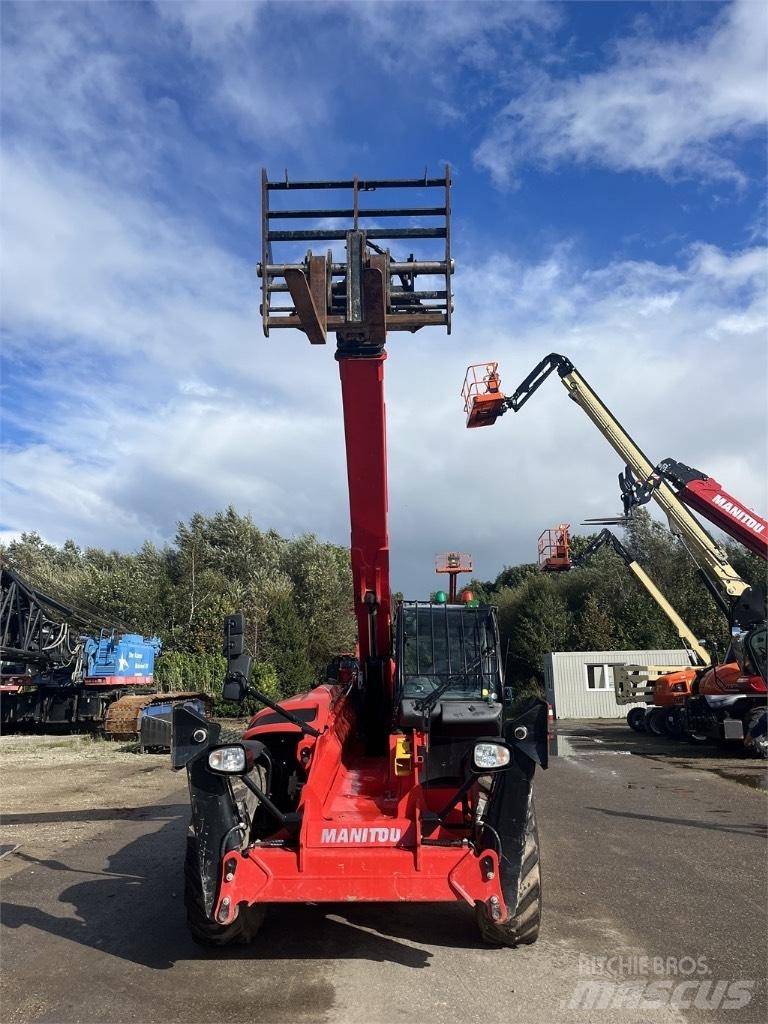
(362, 392)
(732, 516)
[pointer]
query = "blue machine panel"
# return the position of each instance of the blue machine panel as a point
(128, 655)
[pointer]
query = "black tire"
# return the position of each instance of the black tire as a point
(697, 739)
(229, 736)
(674, 723)
(204, 931)
(522, 926)
(656, 721)
(756, 737)
(636, 719)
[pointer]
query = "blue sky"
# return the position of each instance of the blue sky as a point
(609, 202)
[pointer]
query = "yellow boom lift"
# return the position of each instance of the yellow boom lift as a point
(725, 705)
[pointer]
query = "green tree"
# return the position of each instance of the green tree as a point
(534, 620)
(595, 629)
(284, 646)
(514, 575)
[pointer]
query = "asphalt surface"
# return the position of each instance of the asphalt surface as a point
(647, 852)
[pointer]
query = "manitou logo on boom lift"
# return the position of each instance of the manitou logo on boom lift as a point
(738, 513)
(360, 835)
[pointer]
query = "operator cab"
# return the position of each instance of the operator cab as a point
(448, 668)
(448, 680)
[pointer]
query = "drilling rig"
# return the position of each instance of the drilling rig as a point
(68, 667)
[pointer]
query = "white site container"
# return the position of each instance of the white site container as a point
(579, 684)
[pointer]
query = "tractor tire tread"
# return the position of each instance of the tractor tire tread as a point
(756, 748)
(522, 926)
(655, 722)
(229, 736)
(636, 719)
(204, 931)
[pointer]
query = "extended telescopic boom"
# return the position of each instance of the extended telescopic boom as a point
(708, 497)
(360, 295)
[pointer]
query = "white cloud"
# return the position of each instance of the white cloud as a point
(104, 86)
(666, 107)
(397, 32)
(149, 392)
(731, 270)
(199, 389)
(251, 76)
(270, 85)
(161, 397)
(86, 262)
(212, 23)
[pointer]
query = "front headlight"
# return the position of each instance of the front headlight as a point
(487, 756)
(228, 760)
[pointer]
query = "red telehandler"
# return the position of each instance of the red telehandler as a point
(411, 780)
(707, 496)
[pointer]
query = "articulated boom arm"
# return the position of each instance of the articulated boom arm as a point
(707, 554)
(605, 537)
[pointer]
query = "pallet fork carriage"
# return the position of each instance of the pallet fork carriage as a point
(412, 780)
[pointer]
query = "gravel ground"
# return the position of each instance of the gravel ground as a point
(16, 750)
(46, 777)
(651, 850)
(61, 790)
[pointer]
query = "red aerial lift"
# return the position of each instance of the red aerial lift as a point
(555, 549)
(412, 780)
(453, 563)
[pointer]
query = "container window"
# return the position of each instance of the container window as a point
(599, 677)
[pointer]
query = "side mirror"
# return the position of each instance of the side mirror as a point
(234, 630)
(235, 687)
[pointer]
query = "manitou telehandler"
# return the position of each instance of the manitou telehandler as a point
(412, 780)
(727, 702)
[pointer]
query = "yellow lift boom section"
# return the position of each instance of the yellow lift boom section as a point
(686, 634)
